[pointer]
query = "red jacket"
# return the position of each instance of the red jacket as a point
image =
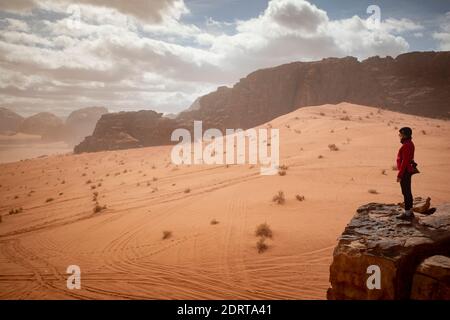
(404, 157)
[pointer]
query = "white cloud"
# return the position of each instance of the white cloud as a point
(400, 25)
(443, 36)
(134, 54)
(16, 25)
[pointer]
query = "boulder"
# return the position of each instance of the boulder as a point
(375, 237)
(432, 279)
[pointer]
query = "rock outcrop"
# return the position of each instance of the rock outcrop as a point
(415, 83)
(126, 130)
(403, 251)
(432, 279)
(10, 121)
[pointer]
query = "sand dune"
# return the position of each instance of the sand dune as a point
(121, 251)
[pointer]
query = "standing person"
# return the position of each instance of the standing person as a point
(405, 160)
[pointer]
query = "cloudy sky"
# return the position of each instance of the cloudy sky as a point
(61, 55)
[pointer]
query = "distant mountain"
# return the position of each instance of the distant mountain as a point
(414, 83)
(78, 125)
(81, 123)
(10, 121)
(41, 123)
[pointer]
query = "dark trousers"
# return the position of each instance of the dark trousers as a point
(405, 183)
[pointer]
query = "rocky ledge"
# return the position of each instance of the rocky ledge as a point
(412, 257)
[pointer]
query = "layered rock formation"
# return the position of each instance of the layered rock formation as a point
(125, 130)
(10, 121)
(416, 83)
(412, 256)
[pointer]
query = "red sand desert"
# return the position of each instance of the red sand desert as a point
(121, 250)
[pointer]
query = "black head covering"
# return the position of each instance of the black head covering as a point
(406, 131)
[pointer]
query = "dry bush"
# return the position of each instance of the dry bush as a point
(263, 230)
(383, 172)
(89, 182)
(166, 234)
(261, 245)
(322, 113)
(155, 179)
(373, 191)
(49, 200)
(346, 118)
(320, 156)
(98, 208)
(187, 190)
(282, 172)
(214, 222)
(424, 132)
(300, 198)
(283, 167)
(15, 211)
(333, 147)
(279, 197)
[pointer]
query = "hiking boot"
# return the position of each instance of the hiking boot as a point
(407, 215)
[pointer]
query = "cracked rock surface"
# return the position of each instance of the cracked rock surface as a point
(401, 249)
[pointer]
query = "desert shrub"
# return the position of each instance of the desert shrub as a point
(167, 234)
(279, 197)
(333, 147)
(261, 245)
(263, 230)
(300, 198)
(89, 182)
(98, 208)
(346, 118)
(283, 167)
(373, 191)
(320, 156)
(214, 222)
(49, 200)
(282, 172)
(15, 211)
(383, 172)
(424, 132)
(322, 114)
(187, 190)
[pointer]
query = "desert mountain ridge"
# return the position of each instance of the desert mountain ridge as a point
(415, 83)
(79, 124)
